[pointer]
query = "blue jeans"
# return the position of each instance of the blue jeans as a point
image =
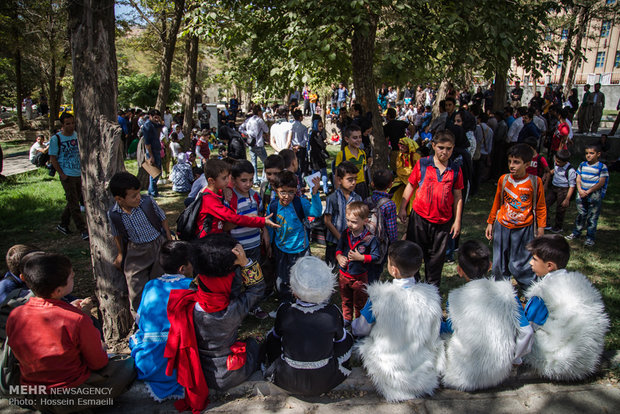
(510, 257)
(323, 178)
(153, 181)
(256, 153)
(588, 210)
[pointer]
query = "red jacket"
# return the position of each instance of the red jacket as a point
(214, 210)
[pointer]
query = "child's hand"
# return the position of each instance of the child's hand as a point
(565, 203)
(540, 231)
(316, 183)
(489, 232)
(455, 230)
(227, 193)
(270, 223)
(342, 261)
(402, 214)
(356, 256)
(582, 193)
(118, 261)
(242, 259)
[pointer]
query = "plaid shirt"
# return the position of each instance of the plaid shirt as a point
(388, 210)
(139, 228)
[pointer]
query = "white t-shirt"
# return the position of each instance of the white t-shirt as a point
(36, 147)
(175, 147)
(279, 134)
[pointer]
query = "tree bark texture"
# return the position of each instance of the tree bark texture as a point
(91, 29)
(165, 65)
(442, 92)
(566, 55)
(189, 89)
(582, 22)
(362, 59)
(20, 88)
(500, 95)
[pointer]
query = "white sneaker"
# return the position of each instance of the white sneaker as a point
(273, 314)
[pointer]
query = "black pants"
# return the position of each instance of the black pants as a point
(433, 239)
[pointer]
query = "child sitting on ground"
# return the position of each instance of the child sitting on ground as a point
(11, 280)
(139, 228)
(148, 343)
(518, 215)
(561, 190)
(203, 345)
(182, 175)
(290, 240)
(308, 348)
(336, 202)
(56, 343)
(567, 313)
(357, 247)
(402, 319)
(487, 326)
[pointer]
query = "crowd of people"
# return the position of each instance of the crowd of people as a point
(245, 234)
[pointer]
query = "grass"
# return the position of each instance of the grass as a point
(31, 204)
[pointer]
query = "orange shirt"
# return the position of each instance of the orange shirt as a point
(513, 209)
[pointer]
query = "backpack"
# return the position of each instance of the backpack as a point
(187, 222)
(299, 210)
(425, 162)
(376, 225)
(566, 174)
(149, 211)
(534, 181)
(10, 374)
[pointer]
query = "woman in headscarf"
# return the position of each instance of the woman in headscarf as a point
(203, 345)
(405, 162)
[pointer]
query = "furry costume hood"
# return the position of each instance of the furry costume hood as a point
(570, 343)
(401, 352)
(312, 280)
(485, 320)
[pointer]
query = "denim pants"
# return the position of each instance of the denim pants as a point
(510, 256)
(256, 153)
(588, 210)
(153, 181)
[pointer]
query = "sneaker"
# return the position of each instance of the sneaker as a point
(63, 229)
(588, 243)
(258, 313)
(548, 228)
(572, 236)
(273, 314)
(85, 235)
(555, 230)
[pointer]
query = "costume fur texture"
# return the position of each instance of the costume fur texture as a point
(312, 280)
(570, 343)
(485, 319)
(401, 352)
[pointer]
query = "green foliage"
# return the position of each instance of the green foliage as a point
(141, 90)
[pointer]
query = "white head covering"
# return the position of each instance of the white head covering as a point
(312, 280)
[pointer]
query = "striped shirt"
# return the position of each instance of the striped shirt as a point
(591, 173)
(139, 228)
(249, 237)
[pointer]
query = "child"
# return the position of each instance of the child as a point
(274, 165)
(56, 343)
(353, 153)
(175, 146)
(539, 165)
(245, 202)
(335, 138)
(202, 148)
(592, 178)
(561, 189)
(11, 280)
(567, 313)
(518, 208)
(139, 228)
(308, 348)
(356, 248)
(438, 205)
(182, 175)
(402, 320)
(336, 203)
(203, 344)
(291, 238)
(488, 328)
(213, 213)
(290, 160)
(407, 158)
(148, 343)
(380, 199)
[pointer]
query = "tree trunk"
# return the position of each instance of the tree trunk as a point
(362, 59)
(53, 98)
(566, 55)
(189, 89)
(441, 95)
(92, 31)
(500, 95)
(166, 61)
(582, 22)
(20, 89)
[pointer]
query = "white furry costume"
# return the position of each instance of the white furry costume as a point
(485, 320)
(401, 352)
(569, 344)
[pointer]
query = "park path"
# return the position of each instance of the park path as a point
(17, 164)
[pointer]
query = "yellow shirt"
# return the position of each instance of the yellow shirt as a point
(359, 161)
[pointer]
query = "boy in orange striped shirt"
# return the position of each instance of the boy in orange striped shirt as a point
(518, 215)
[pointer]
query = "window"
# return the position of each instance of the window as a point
(617, 62)
(560, 59)
(605, 28)
(564, 34)
(600, 60)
